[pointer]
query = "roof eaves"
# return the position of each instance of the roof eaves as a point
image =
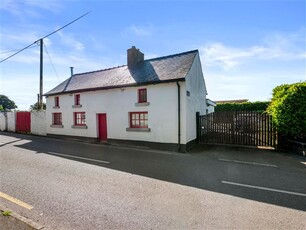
(115, 87)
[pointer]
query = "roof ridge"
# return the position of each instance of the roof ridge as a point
(151, 59)
(172, 55)
(100, 70)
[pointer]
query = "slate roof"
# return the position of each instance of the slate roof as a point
(152, 71)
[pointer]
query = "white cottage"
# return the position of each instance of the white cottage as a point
(146, 102)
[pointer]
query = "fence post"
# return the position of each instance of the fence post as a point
(233, 116)
(198, 126)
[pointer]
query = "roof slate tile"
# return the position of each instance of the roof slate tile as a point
(156, 70)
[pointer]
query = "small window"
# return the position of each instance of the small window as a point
(56, 101)
(142, 95)
(139, 120)
(77, 99)
(57, 119)
(79, 118)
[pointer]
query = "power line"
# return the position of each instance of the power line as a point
(52, 63)
(45, 37)
(11, 51)
(65, 25)
(17, 52)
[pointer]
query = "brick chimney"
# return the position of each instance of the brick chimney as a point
(134, 56)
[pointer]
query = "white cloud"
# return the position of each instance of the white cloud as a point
(141, 31)
(69, 40)
(28, 7)
(276, 46)
(226, 56)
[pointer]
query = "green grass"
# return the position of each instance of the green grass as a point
(6, 213)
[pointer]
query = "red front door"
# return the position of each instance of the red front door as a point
(102, 127)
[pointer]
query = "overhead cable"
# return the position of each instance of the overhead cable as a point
(52, 63)
(44, 37)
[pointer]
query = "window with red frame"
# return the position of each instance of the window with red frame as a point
(142, 95)
(77, 99)
(79, 118)
(56, 101)
(57, 118)
(139, 119)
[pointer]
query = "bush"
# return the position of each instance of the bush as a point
(288, 110)
(259, 106)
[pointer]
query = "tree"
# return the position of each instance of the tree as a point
(288, 110)
(35, 106)
(7, 104)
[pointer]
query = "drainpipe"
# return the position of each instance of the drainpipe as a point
(179, 115)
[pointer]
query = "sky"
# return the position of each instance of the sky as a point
(246, 47)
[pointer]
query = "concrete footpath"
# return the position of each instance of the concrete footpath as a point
(14, 221)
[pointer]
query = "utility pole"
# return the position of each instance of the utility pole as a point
(41, 43)
(40, 104)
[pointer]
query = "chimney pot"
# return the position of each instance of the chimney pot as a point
(71, 71)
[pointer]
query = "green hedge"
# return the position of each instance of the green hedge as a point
(259, 106)
(288, 110)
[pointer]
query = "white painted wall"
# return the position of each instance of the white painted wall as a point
(2, 122)
(38, 123)
(210, 109)
(196, 102)
(11, 121)
(117, 103)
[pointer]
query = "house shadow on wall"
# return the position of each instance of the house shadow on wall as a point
(202, 171)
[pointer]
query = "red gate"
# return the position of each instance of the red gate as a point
(23, 122)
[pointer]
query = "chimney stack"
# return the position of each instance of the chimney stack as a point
(134, 56)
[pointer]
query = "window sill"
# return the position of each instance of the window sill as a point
(138, 130)
(77, 106)
(142, 104)
(79, 126)
(56, 126)
(55, 107)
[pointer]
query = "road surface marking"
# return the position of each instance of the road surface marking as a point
(246, 162)
(16, 201)
(264, 188)
(76, 157)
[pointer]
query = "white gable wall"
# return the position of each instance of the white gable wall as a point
(196, 101)
(117, 103)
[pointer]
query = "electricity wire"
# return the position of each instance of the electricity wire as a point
(52, 63)
(17, 52)
(45, 37)
(11, 51)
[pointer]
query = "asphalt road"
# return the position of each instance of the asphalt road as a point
(73, 185)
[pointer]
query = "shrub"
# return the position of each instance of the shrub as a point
(259, 106)
(288, 110)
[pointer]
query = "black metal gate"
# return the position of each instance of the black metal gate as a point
(237, 128)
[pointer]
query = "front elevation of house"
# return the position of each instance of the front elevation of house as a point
(146, 102)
